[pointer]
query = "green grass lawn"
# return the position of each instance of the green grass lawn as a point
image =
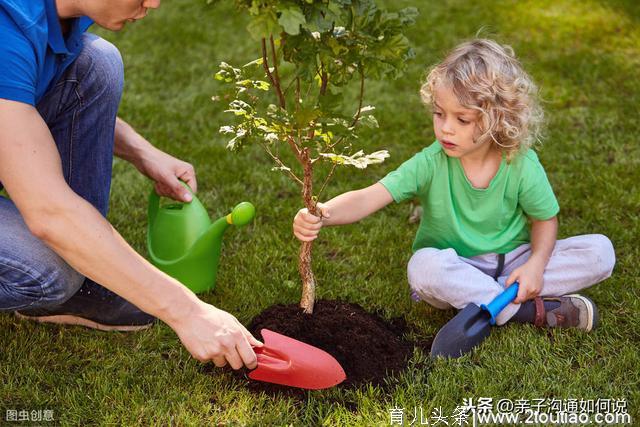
(585, 55)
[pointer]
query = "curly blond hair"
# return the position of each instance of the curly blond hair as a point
(486, 76)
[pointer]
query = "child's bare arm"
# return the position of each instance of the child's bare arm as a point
(352, 206)
(543, 240)
(344, 209)
(530, 274)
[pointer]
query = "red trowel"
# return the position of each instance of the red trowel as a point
(283, 360)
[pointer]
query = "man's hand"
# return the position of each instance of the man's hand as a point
(530, 279)
(212, 334)
(166, 172)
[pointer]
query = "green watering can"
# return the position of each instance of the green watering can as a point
(184, 243)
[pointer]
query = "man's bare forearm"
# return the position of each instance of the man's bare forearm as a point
(79, 234)
(129, 145)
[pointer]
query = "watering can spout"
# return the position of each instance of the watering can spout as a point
(241, 215)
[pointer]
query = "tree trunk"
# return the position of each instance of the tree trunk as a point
(308, 280)
(304, 261)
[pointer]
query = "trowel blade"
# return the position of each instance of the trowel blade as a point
(286, 361)
(466, 330)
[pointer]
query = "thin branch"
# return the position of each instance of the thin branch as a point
(282, 165)
(297, 93)
(294, 147)
(306, 96)
(286, 89)
(265, 62)
(275, 82)
(324, 78)
(357, 116)
(331, 146)
(326, 180)
(275, 59)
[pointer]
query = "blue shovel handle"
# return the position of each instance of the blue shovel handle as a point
(500, 302)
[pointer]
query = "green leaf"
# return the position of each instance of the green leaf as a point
(359, 159)
(305, 116)
(260, 84)
(369, 121)
(408, 15)
(331, 102)
(257, 62)
(271, 138)
(236, 143)
(227, 129)
(263, 25)
(291, 18)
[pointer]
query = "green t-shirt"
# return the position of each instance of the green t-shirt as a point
(470, 220)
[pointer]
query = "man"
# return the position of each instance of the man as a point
(59, 93)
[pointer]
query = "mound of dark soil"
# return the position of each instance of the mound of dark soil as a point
(368, 347)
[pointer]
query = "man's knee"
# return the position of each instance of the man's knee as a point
(22, 286)
(30, 272)
(100, 64)
(61, 286)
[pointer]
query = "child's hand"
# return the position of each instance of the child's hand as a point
(307, 226)
(529, 277)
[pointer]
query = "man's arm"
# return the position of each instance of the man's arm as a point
(30, 170)
(163, 169)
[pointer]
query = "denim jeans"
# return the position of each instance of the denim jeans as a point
(80, 110)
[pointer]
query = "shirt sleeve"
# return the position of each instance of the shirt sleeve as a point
(536, 196)
(17, 63)
(411, 178)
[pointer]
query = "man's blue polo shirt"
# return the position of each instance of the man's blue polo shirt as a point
(33, 51)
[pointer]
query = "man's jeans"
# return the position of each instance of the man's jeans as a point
(80, 110)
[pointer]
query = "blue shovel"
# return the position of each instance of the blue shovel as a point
(470, 326)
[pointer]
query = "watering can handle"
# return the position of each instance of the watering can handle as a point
(154, 202)
(501, 301)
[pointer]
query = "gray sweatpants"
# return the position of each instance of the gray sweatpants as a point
(444, 279)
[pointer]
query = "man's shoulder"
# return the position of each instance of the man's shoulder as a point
(23, 13)
(23, 31)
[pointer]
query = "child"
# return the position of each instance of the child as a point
(480, 185)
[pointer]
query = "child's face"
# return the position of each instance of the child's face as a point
(455, 126)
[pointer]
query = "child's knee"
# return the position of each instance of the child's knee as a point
(604, 257)
(427, 268)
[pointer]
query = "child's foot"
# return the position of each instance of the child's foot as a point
(571, 311)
